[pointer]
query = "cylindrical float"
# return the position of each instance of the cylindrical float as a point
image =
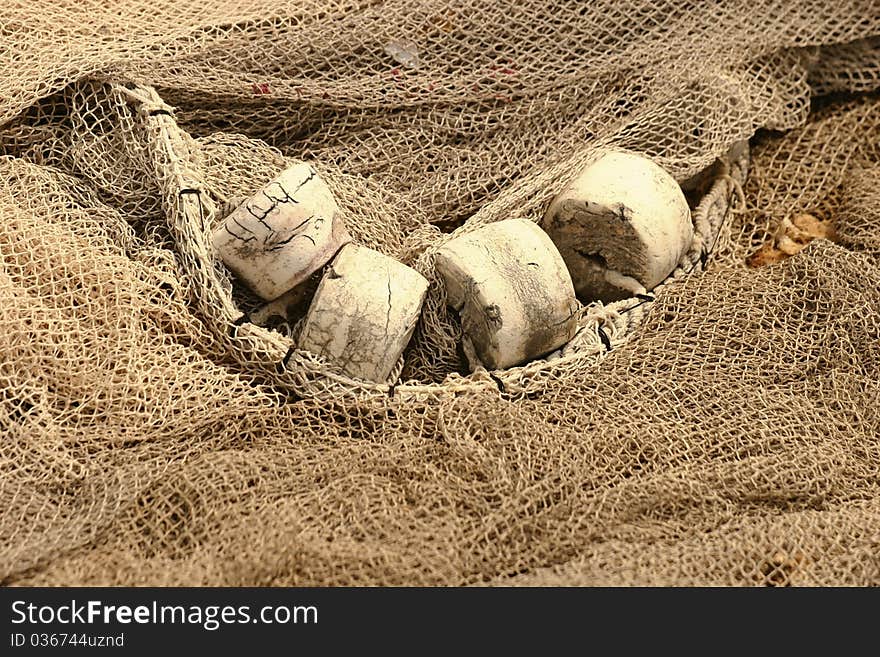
(364, 312)
(621, 225)
(512, 291)
(283, 233)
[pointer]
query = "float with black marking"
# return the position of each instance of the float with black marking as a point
(285, 232)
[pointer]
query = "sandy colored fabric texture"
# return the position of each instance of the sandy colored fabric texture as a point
(723, 430)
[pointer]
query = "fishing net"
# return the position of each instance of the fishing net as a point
(723, 430)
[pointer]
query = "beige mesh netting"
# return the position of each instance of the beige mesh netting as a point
(722, 431)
